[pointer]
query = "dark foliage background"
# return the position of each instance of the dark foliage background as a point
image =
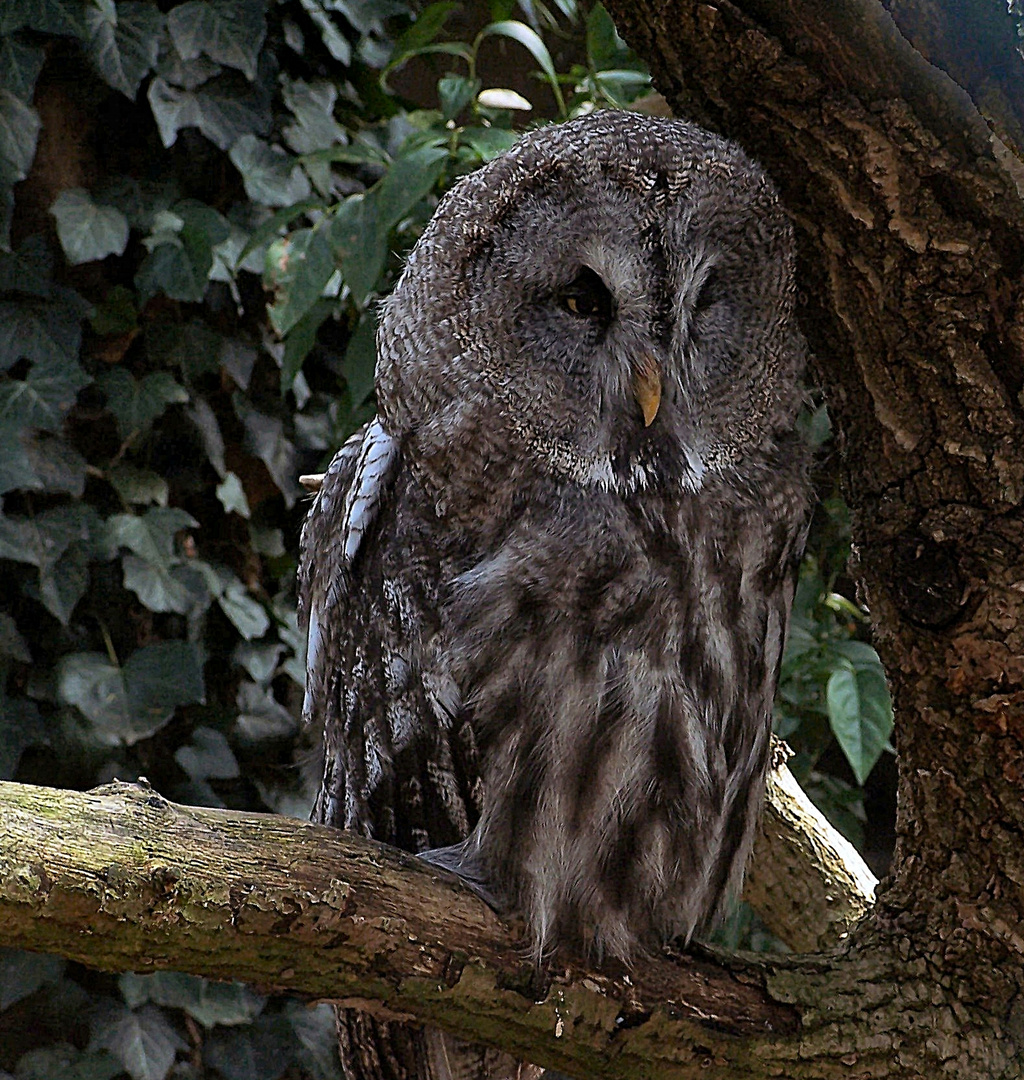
(199, 204)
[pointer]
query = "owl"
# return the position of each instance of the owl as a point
(546, 590)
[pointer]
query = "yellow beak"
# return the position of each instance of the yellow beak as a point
(647, 387)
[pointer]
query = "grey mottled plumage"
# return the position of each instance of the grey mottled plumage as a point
(547, 589)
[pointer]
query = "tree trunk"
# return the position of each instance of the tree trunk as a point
(907, 201)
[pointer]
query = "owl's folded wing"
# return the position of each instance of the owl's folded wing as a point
(344, 510)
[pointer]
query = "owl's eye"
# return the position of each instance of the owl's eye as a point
(710, 291)
(587, 297)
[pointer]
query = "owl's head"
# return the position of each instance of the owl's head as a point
(611, 301)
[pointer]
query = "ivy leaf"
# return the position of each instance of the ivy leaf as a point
(136, 403)
(63, 584)
(859, 708)
(312, 105)
(19, 129)
(62, 1061)
(41, 540)
(228, 31)
(23, 727)
(334, 41)
(265, 438)
(222, 111)
(28, 270)
(86, 231)
(23, 973)
(41, 330)
(124, 42)
(232, 496)
(12, 643)
(316, 1030)
(129, 703)
(34, 460)
(144, 1042)
(205, 420)
(298, 270)
(261, 715)
(210, 1003)
(359, 246)
(20, 65)
(270, 175)
(45, 395)
(62, 17)
(191, 346)
(260, 1051)
(138, 486)
(260, 660)
(246, 614)
(208, 756)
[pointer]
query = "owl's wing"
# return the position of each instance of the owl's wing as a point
(344, 511)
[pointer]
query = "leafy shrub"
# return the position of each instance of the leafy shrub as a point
(199, 205)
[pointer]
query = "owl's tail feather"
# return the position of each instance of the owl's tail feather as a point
(463, 860)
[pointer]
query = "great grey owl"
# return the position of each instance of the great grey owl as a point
(547, 588)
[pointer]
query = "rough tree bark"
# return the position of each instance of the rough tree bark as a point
(907, 199)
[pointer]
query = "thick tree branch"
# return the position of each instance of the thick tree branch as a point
(121, 879)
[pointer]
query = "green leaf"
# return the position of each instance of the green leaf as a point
(191, 346)
(334, 41)
(261, 716)
(126, 704)
(265, 438)
(208, 756)
(22, 727)
(316, 1030)
(205, 421)
(144, 1042)
(312, 105)
(427, 26)
(63, 584)
(19, 129)
(410, 178)
(222, 111)
(62, 1061)
(210, 1003)
(455, 92)
(86, 231)
(604, 46)
(860, 713)
(232, 496)
(270, 175)
(151, 535)
(23, 973)
(298, 269)
(488, 143)
(42, 539)
(259, 1051)
(12, 643)
(116, 314)
(34, 460)
(20, 65)
(61, 17)
(360, 360)
(136, 403)
(260, 660)
(46, 394)
(29, 270)
(300, 340)
(230, 32)
(138, 486)
(530, 40)
(359, 246)
(42, 330)
(124, 42)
